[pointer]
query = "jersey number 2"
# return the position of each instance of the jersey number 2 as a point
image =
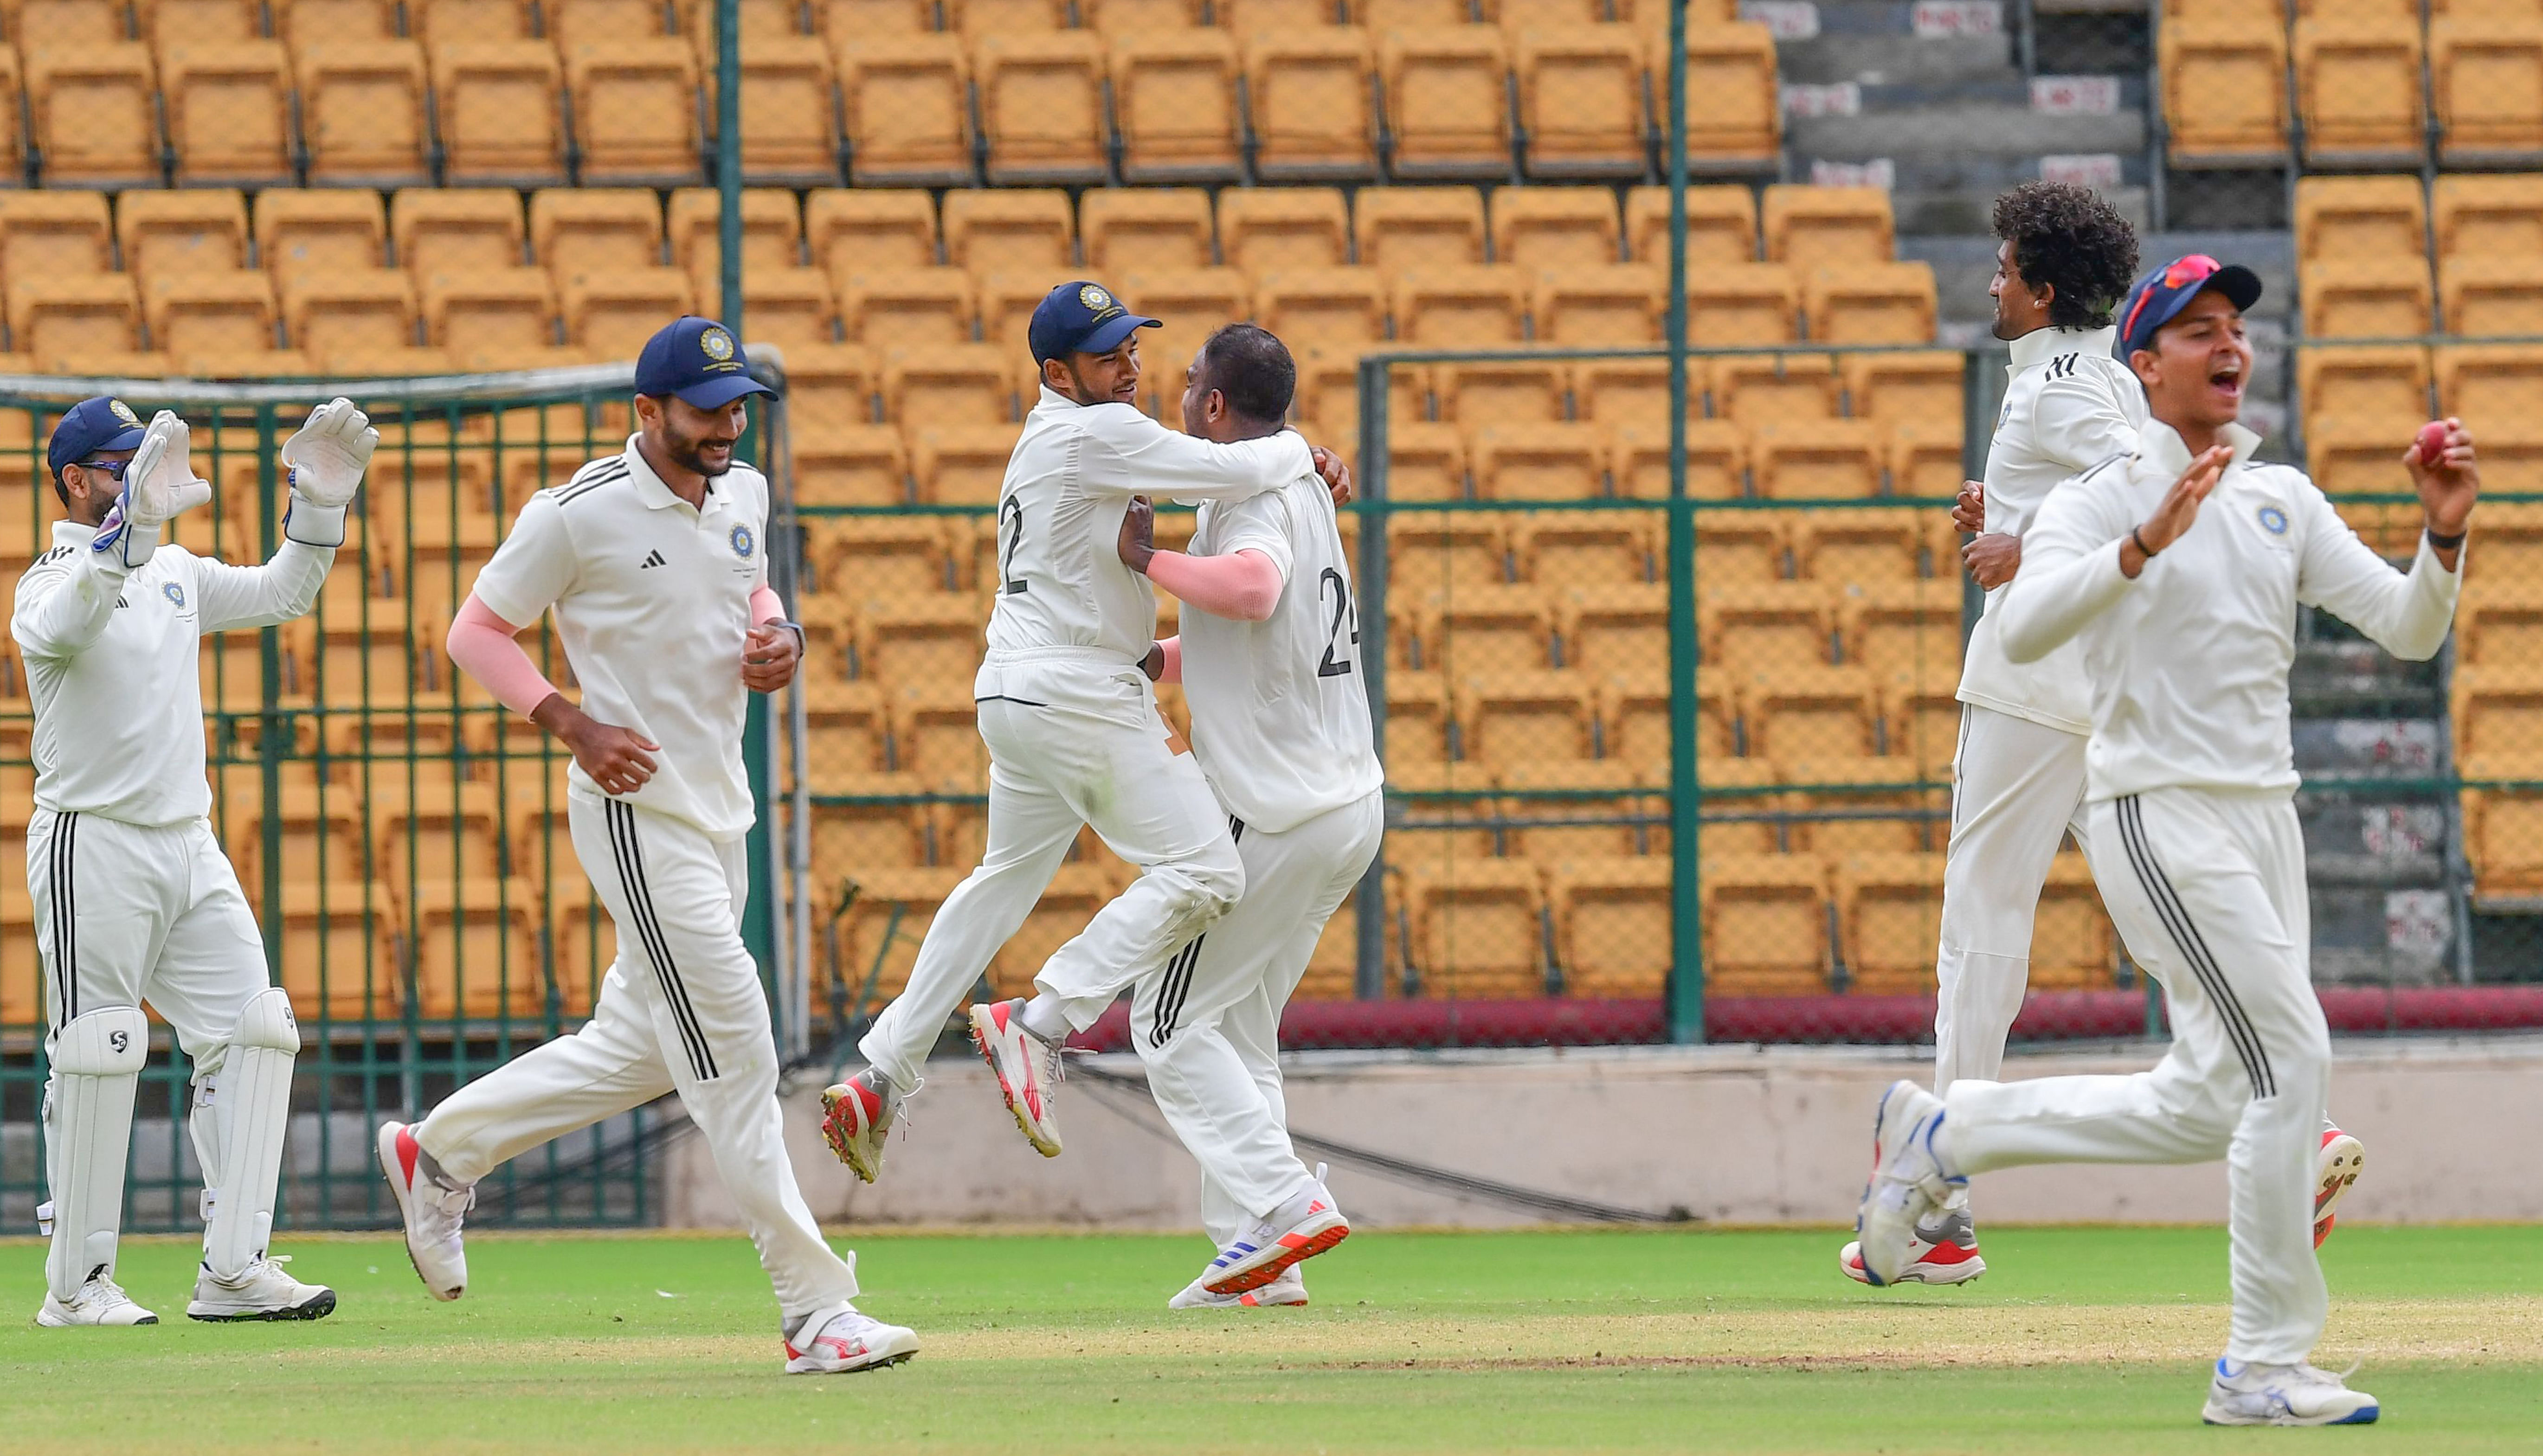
(1013, 510)
(1332, 665)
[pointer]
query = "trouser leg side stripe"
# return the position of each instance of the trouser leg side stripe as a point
(640, 908)
(2194, 946)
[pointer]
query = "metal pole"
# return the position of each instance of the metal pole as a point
(1369, 978)
(1686, 920)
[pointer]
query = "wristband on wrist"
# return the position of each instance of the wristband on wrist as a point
(2148, 552)
(2443, 542)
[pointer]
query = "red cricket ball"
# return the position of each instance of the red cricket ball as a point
(2433, 441)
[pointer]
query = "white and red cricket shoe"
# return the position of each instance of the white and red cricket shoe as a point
(1027, 1067)
(2342, 1157)
(1289, 1290)
(854, 1116)
(1945, 1251)
(432, 1213)
(840, 1340)
(1299, 1230)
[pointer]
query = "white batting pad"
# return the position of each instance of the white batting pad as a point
(249, 1105)
(88, 1136)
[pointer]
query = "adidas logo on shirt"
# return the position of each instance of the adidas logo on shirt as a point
(651, 559)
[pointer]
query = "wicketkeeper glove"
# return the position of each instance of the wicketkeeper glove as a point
(159, 484)
(324, 460)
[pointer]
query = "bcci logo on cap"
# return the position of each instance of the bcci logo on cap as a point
(715, 344)
(1098, 302)
(124, 412)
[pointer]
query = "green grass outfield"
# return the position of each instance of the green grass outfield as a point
(2080, 1339)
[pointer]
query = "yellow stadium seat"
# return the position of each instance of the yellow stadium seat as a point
(1478, 306)
(51, 24)
(885, 556)
(1174, 96)
(949, 385)
(1740, 819)
(168, 234)
(475, 947)
(1041, 106)
(1432, 550)
(1634, 722)
(907, 107)
(1615, 627)
(1262, 229)
(2501, 823)
(2499, 622)
(583, 230)
(1580, 100)
(2357, 89)
(2348, 219)
(935, 725)
(1616, 303)
(308, 22)
(1510, 718)
(1323, 307)
(1925, 458)
(1765, 925)
(1765, 626)
(1447, 105)
(1548, 228)
(1742, 545)
(1121, 18)
(1580, 548)
(1478, 929)
(2073, 942)
(1611, 918)
(1818, 459)
(771, 230)
(441, 22)
(843, 20)
(830, 384)
(850, 838)
(53, 234)
(1841, 806)
(1898, 387)
(611, 312)
(13, 139)
(452, 230)
(1814, 227)
(499, 108)
(1853, 545)
(228, 107)
(303, 234)
(2489, 216)
(197, 315)
(635, 109)
(2365, 297)
(489, 316)
(2488, 80)
(1716, 460)
(1921, 721)
(977, 17)
(1721, 225)
(71, 316)
(1891, 910)
(442, 836)
(1540, 796)
(1742, 303)
(1248, 18)
(2348, 457)
(94, 110)
(1469, 629)
(1757, 389)
(1809, 711)
(1075, 893)
(1416, 724)
(1406, 230)
(1876, 303)
(959, 464)
(338, 958)
(2491, 385)
(363, 111)
(760, 20)
(574, 24)
(887, 919)
(1309, 102)
(1010, 231)
(1902, 628)
(1514, 391)
(861, 228)
(907, 305)
(1733, 67)
(2377, 383)
(1539, 462)
(2490, 296)
(788, 118)
(1623, 391)
(850, 464)
(1191, 301)
(2224, 90)
(1426, 462)
(2498, 709)
(1516, 16)
(1145, 229)
(1006, 300)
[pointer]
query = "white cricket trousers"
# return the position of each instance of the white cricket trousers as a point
(1074, 739)
(1207, 1028)
(2208, 889)
(2017, 787)
(681, 1010)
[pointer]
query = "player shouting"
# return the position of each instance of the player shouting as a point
(1073, 732)
(1269, 661)
(652, 560)
(134, 900)
(2180, 566)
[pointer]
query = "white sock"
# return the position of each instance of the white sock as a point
(1043, 1018)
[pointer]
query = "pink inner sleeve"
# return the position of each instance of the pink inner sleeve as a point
(1245, 586)
(483, 646)
(1174, 669)
(765, 606)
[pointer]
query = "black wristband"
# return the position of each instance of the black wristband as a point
(2444, 542)
(2144, 550)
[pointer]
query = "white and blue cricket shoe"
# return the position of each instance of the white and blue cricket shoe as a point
(1909, 1181)
(2285, 1395)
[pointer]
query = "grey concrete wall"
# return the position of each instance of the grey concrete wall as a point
(1728, 1135)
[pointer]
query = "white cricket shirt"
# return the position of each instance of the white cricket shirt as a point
(652, 603)
(113, 666)
(2068, 406)
(1280, 719)
(2189, 662)
(1061, 584)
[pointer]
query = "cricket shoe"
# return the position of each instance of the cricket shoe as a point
(1910, 1183)
(854, 1116)
(2343, 1158)
(261, 1292)
(2285, 1395)
(1027, 1067)
(1307, 1225)
(838, 1340)
(100, 1301)
(1942, 1251)
(1290, 1288)
(431, 1211)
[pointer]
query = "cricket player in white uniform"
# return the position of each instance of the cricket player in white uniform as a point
(1268, 660)
(2179, 568)
(653, 561)
(134, 901)
(1073, 731)
(2064, 259)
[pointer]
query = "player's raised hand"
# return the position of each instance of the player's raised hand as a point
(2450, 484)
(1337, 476)
(2173, 516)
(1969, 509)
(326, 455)
(1138, 542)
(160, 483)
(769, 656)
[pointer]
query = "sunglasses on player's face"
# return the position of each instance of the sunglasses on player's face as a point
(112, 469)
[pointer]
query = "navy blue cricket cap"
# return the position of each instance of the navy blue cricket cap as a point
(2162, 294)
(1081, 318)
(90, 425)
(697, 359)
